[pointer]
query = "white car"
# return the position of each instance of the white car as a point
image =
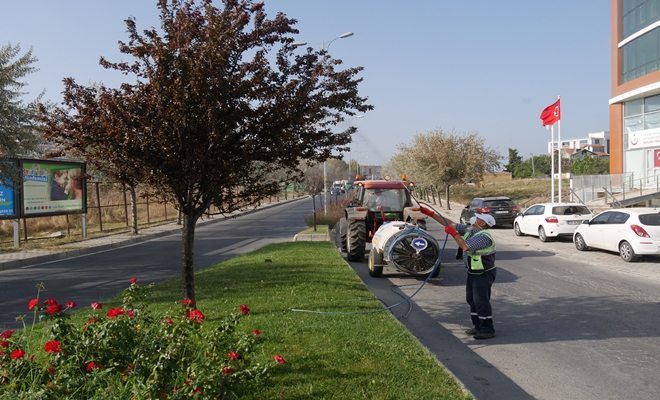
(629, 231)
(551, 220)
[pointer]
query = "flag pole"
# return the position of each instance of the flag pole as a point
(552, 163)
(559, 153)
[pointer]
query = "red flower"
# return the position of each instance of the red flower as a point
(91, 366)
(227, 370)
(197, 390)
(4, 343)
(7, 334)
(51, 370)
(244, 309)
(52, 347)
(32, 304)
(93, 320)
(53, 309)
(196, 315)
(71, 304)
(134, 281)
(233, 355)
(115, 312)
(49, 302)
(96, 306)
(279, 359)
(256, 332)
(186, 302)
(130, 313)
(168, 321)
(16, 354)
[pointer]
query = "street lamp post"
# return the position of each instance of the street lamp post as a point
(325, 173)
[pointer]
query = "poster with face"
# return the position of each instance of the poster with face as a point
(53, 187)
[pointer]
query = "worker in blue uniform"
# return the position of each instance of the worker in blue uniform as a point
(479, 250)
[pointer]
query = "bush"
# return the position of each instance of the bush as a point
(334, 214)
(128, 353)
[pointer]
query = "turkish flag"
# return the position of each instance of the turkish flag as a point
(551, 114)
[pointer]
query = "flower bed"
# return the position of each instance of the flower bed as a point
(128, 352)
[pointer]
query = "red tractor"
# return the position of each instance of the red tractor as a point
(374, 203)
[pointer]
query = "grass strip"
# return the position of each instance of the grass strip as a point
(364, 353)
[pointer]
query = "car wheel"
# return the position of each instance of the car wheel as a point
(580, 244)
(542, 236)
(626, 251)
(517, 231)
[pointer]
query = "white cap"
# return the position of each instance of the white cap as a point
(473, 219)
(487, 218)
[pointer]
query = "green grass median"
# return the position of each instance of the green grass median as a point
(349, 347)
(329, 356)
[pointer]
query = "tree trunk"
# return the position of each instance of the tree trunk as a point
(134, 212)
(187, 271)
(437, 193)
(447, 197)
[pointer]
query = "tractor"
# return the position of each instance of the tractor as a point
(374, 203)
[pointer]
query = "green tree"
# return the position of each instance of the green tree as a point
(515, 160)
(590, 166)
(17, 122)
(440, 160)
(219, 102)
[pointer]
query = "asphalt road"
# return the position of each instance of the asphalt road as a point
(103, 274)
(570, 325)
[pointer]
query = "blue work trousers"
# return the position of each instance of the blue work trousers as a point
(477, 294)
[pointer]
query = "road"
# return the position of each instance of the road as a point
(103, 274)
(570, 325)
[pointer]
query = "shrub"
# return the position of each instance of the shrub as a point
(335, 211)
(128, 352)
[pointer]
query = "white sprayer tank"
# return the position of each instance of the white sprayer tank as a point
(407, 247)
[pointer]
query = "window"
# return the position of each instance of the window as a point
(641, 56)
(618, 218)
(650, 219)
(638, 14)
(601, 219)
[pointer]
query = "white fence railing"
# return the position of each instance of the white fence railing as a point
(613, 187)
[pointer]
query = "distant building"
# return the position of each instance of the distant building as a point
(597, 142)
(370, 171)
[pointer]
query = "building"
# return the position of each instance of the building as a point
(635, 102)
(597, 142)
(370, 171)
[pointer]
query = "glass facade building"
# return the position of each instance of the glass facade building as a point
(635, 101)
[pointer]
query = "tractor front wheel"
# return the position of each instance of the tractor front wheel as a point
(356, 237)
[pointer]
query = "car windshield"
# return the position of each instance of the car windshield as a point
(385, 199)
(650, 219)
(498, 203)
(570, 210)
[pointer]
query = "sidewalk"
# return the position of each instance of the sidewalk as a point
(26, 257)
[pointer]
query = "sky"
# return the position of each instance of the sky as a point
(481, 66)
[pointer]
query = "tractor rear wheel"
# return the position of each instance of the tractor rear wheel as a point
(375, 263)
(355, 240)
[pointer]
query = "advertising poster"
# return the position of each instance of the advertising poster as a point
(53, 187)
(7, 202)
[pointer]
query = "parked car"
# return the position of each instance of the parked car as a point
(629, 231)
(503, 209)
(551, 220)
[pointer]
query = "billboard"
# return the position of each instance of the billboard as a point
(53, 188)
(8, 202)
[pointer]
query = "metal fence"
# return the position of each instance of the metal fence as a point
(612, 188)
(108, 210)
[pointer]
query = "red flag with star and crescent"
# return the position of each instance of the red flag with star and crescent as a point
(551, 114)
